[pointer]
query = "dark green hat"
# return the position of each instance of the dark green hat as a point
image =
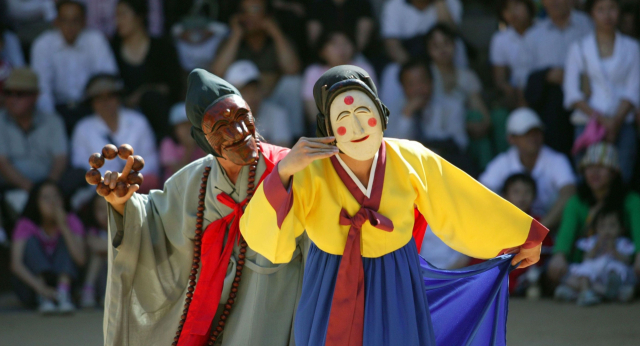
(204, 89)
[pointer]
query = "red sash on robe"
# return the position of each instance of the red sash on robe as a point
(215, 260)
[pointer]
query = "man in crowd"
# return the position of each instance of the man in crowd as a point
(551, 170)
(257, 37)
(33, 143)
(65, 58)
(545, 51)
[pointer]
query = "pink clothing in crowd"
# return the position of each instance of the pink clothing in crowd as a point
(26, 228)
(172, 152)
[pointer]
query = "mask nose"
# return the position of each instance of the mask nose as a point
(357, 126)
(237, 131)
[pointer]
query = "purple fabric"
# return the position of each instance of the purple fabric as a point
(469, 306)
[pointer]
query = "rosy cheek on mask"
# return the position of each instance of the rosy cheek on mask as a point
(342, 131)
(373, 122)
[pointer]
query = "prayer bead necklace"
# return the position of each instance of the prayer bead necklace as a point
(197, 242)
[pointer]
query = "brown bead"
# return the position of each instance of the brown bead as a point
(103, 190)
(252, 173)
(96, 160)
(197, 242)
(185, 311)
(192, 277)
(195, 266)
(202, 191)
(236, 279)
(227, 306)
(221, 323)
(250, 186)
(243, 250)
(232, 295)
(207, 168)
(223, 317)
(125, 151)
(225, 312)
(184, 316)
(230, 301)
(195, 260)
(203, 185)
(241, 262)
(206, 173)
(190, 289)
(135, 178)
(199, 231)
(234, 290)
(194, 272)
(241, 256)
(138, 163)
(251, 180)
(93, 177)
(121, 189)
(200, 208)
(201, 203)
(235, 284)
(188, 300)
(180, 326)
(204, 179)
(219, 329)
(109, 151)
(239, 267)
(199, 225)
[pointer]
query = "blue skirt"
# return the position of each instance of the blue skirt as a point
(468, 306)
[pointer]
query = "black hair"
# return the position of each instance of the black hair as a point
(81, 6)
(531, 8)
(520, 177)
(588, 6)
(32, 208)
(326, 36)
(634, 10)
(87, 214)
(413, 63)
(139, 7)
(605, 211)
(615, 198)
(444, 29)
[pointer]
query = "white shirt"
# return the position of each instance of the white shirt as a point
(547, 46)
(199, 55)
(92, 134)
(505, 49)
(64, 70)
(612, 79)
(272, 122)
(12, 51)
(401, 20)
(551, 172)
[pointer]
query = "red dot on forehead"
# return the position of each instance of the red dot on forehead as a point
(373, 122)
(342, 130)
(348, 100)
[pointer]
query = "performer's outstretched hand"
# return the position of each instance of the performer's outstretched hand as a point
(303, 153)
(527, 256)
(111, 179)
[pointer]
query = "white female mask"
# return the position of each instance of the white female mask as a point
(356, 124)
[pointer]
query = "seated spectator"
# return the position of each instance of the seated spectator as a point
(602, 188)
(113, 124)
(101, 15)
(403, 23)
(197, 40)
(334, 48)
(257, 37)
(604, 272)
(5, 68)
(180, 149)
(425, 118)
(33, 143)
(46, 249)
(65, 58)
(610, 63)
(148, 66)
(96, 222)
(271, 120)
(353, 17)
(31, 17)
(545, 50)
(550, 169)
(10, 50)
(508, 73)
(456, 85)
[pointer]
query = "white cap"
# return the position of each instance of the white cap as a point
(241, 72)
(522, 120)
(178, 114)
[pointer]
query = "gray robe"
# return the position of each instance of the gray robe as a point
(150, 263)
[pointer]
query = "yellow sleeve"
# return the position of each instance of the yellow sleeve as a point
(275, 217)
(466, 215)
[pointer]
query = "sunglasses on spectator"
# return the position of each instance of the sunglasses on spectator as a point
(18, 93)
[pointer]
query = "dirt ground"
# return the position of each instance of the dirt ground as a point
(531, 323)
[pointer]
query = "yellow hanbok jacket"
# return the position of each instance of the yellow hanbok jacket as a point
(463, 213)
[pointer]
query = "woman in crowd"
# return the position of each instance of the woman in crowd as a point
(46, 250)
(602, 82)
(334, 48)
(149, 66)
(602, 188)
(96, 222)
(509, 74)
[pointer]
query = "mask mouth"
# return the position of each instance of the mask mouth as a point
(361, 139)
(238, 143)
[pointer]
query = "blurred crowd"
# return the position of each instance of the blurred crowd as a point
(545, 112)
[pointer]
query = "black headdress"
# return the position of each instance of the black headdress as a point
(338, 80)
(204, 89)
